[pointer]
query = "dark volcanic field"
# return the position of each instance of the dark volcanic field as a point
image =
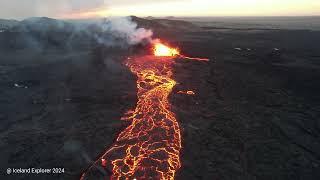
(255, 115)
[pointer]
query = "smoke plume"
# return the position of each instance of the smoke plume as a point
(41, 33)
(124, 28)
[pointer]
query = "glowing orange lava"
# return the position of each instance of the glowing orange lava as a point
(150, 147)
(187, 92)
(165, 51)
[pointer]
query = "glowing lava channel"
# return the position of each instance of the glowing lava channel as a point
(150, 147)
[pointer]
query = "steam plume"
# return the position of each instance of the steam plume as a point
(125, 28)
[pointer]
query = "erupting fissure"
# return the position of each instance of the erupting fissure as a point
(149, 148)
(162, 50)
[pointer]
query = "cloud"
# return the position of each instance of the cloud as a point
(90, 8)
(85, 4)
(57, 8)
(28, 8)
(116, 3)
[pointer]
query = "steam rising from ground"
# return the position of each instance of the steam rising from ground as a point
(124, 27)
(45, 33)
(122, 32)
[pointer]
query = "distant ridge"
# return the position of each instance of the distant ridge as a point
(7, 23)
(153, 23)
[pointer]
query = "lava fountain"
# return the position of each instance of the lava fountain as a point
(161, 49)
(149, 148)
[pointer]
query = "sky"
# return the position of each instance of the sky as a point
(19, 9)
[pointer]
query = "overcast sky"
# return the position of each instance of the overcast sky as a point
(19, 9)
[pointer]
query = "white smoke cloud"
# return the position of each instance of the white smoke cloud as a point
(125, 28)
(120, 31)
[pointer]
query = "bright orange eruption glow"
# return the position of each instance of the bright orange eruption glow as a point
(166, 51)
(150, 147)
(163, 50)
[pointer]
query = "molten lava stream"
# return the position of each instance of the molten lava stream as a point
(150, 147)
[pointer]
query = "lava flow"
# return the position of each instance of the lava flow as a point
(149, 148)
(162, 50)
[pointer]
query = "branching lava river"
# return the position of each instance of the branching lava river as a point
(149, 148)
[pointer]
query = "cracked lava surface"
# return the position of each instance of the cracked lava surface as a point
(149, 148)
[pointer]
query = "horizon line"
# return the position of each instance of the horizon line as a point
(168, 16)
